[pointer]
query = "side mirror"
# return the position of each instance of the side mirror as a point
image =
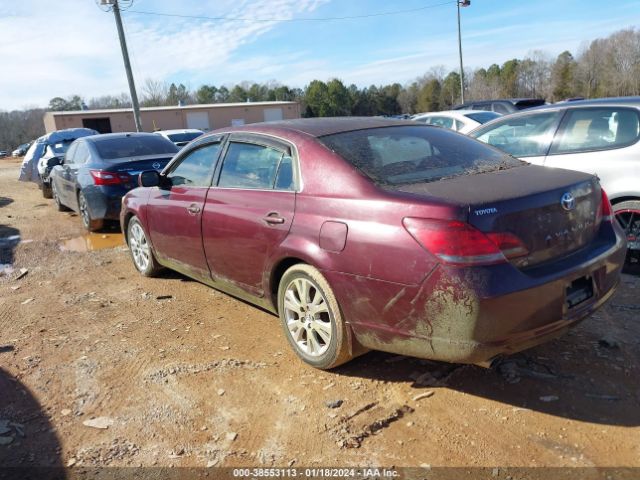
(149, 178)
(52, 162)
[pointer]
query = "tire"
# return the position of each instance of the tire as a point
(140, 249)
(46, 190)
(321, 338)
(627, 214)
(89, 223)
(56, 199)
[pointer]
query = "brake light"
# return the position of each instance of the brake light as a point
(606, 214)
(458, 243)
(100, 177)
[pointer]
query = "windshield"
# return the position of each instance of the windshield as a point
(183, 137)
(483, 117)
(134, 146)
(414, 154)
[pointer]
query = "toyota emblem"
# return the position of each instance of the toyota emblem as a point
(568, 202)
(157, 165)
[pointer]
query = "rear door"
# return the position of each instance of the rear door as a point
(70, 173)
(249, 211)
(175, 210)
(599, 140)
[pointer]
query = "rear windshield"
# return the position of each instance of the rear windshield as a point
(122, 147)
(482, 117)
(413, 154)
(183, 137)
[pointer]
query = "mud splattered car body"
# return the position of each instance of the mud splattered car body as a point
(433, 244)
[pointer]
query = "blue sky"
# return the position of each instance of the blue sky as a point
(73, 48)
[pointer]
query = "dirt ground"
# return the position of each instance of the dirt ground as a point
(182, 375)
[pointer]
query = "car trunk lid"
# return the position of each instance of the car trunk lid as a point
(552, 211)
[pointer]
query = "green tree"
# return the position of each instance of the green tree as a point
(338, 99)
(238, 94)
(206, 94)
(317, 99)
(429, 96)
(563, 76)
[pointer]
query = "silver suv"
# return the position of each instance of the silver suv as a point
(595, 136)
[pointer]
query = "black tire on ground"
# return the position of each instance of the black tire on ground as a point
(629, 223)
(46, 190)
(338, 348)
(91, 224)
(56, 199)
(137, 240)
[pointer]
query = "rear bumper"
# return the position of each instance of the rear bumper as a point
(104, 202)
(473, 315)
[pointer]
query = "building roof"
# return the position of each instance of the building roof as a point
(174, 107)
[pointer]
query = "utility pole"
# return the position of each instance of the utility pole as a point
(127, 65)
(461, 3)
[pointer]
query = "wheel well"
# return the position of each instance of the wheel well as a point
(624, 199)
(125, 227)
(277, 274)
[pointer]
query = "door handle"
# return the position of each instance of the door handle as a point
(273, 218)
(193, 209)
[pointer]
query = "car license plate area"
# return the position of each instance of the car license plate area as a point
(578, 291)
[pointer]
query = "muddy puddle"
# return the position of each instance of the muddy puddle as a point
(92, 241)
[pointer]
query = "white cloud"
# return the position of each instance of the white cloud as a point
(73, 48)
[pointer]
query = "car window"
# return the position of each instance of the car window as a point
(482, 117)
(597, 129)
(82, 153)
(133, 146)
(481, 106)
(521, 136)
(253, 166)
(500, 108)
(414, 154)
(440, 121)
(68, 157)
(195, 169)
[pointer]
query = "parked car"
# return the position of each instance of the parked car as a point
(504, 106)
(594, 136)
(462, 121)
(48, 149)
(98, 170)
(3, 153)
(366, 233)
(180, 137)
(21, 150)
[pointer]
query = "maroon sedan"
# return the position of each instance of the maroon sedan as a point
(365, 233)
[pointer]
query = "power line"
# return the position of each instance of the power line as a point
(308, 19)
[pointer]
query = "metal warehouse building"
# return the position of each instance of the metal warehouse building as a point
(203, 117)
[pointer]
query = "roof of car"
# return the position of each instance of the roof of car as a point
(319, 127)
(179, 130)
(631, 101)
(107, 136)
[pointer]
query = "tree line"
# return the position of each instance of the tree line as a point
(605, 67)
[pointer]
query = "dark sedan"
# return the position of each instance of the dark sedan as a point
(381, 234)
(98, 170)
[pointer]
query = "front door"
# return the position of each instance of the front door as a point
(250, 210)
(175, 211)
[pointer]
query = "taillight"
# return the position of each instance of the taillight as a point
(100, 177)
(458, 243)
(605, 212)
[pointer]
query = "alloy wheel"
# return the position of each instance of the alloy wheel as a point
(84, 210)
(307, 317)
(139, 247)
